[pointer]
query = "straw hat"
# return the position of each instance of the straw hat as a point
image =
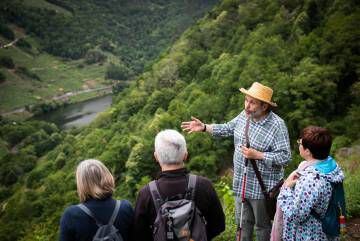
(260, 92)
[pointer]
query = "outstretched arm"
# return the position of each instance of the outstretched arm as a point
(195, 125)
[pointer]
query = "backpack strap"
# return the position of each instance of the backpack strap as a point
(91, 214)
(191, 185)
(156, 197)
(115, 213)
(88, 212)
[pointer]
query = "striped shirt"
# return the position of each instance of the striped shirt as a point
(269, 136)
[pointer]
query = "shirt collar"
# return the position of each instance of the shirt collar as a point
(264, 120)
(173, 173)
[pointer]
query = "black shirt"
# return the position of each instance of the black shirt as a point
(171, 183)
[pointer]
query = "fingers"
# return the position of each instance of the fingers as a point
(186, 129)
(195, 119)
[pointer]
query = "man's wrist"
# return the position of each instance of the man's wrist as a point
(204, 129)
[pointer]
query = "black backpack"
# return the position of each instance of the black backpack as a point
(331, 221)
(108, 231)
(179, 219)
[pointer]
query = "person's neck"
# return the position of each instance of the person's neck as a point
(261, 117)
(310, 159)
(171, 167)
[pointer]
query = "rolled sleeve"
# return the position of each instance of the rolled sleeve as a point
(226, 129)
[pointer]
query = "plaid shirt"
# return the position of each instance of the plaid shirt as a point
(269, 136)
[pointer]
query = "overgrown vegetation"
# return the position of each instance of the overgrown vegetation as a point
(305, 49)
(112, 39)
(135, 31)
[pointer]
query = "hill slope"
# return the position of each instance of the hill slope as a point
(93, 42)
(306, 50)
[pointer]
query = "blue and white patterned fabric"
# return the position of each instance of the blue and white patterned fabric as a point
(269, 136)
(311, 192)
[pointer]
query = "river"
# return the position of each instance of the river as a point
(78, 114)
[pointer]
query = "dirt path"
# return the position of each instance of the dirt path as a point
(353, 229)
(9, 44)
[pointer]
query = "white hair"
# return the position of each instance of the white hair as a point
(170, 147)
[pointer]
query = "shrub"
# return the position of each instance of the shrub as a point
(2, 77)
(6, 32)
(22, 43)
(117, 72)
(7, 62)
(94, 56)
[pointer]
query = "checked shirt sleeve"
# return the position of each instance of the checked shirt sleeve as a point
(226, 129)
(280, 153)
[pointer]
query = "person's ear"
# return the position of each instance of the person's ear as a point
(308, 152)
(156, 158)
(265, 106)
(186, 156)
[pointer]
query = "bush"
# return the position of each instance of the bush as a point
(22, 43)
(117, 72)
(26, 72)
(7, 62)
(6, 32)
(2, 77)
(94, 56)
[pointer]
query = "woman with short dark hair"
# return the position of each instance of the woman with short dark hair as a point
(308, 189)
(95, 186)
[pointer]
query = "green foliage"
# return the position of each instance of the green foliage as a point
(135, 31)
(22, 43)
(117, 72)
(226, 195)
(94, 56)
(7, 62)
(27, 73)
(6, 32)
(348, 158)
(296, 47)
(2, 77)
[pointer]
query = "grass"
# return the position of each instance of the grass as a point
(57, 76)
(46, 5)
(348, 159)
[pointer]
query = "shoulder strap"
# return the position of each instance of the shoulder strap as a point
(253, 162)
(115, 213)
(88, 212)
(156, 197)
(191, 185)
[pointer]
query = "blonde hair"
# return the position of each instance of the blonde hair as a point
(93, 180)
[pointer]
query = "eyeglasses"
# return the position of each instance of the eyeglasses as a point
(298, 141)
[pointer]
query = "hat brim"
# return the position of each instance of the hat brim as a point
(257, 97)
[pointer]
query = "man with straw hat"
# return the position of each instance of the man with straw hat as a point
(269, 146)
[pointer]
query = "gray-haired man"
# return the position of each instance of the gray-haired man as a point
(170, 152)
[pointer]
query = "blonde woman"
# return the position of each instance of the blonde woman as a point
(95, 186)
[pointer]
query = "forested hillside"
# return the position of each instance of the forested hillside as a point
(307, 50)
(135, 31)
(48, 48)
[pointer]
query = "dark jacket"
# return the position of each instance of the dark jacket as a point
(171, 183)
(76, 225)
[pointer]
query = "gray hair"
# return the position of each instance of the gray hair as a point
(93, 180)
(170, 147)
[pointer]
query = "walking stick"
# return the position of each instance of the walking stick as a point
(243, 184)
(243, 188)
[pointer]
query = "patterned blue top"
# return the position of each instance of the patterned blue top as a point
(269, 136)
(311, 192)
